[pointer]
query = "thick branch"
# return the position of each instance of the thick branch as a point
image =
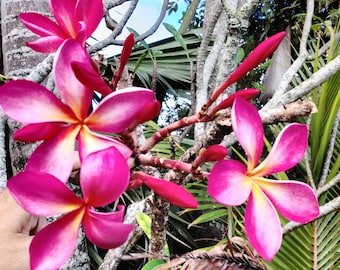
(325, 209)
(303, 54)
(111, 40)
(322, 75)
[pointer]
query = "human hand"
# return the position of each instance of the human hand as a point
(16, 230)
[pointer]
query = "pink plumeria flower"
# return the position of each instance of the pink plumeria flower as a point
(75, 19)
(61, 123)
(231, 182)
(104, 176)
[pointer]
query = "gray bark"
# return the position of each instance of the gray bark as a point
(227, 23)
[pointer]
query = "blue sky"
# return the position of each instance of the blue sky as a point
(144, 16)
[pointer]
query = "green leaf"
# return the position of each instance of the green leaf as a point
(209, 216)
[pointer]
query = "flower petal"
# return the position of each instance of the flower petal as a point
(246, 94)
(257, 56)
(288, 149)
(90, 142)
(37, 132)
(106, 230)
(91, 12)
(55, 156)
(42, 194)
(72, 91)
(90, 77)
(37, 104)
(173, 193)
(262, 224)
(48, 44)
(118, 110)
(248, 128)
(296, 201)
(64, 13)
(104, 176)
(228, 183)
(41, 25)
(52, 246)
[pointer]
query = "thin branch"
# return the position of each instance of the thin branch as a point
(324, 48)
(108, 4)
(111, 40)
(310, 178)
(330, 184)
(117, 31)
(303, 54)
(322, 75)
(113, 256)
(42, 70)
(329, 155)
(333, 205)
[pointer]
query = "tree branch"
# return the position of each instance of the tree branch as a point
(322, 75)
(330, 150)
(113, 256)
(327, 186)
(303, 54)
(111, 40)
(325, 209)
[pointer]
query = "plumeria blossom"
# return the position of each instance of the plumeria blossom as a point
(231, 182)
(60, 123)
(104, 176)
(75, 19)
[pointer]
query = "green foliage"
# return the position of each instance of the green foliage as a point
(315, 245)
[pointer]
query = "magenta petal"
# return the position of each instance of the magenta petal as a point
(257, 56)
(262, 225)
(90, 12)
(173, 193)
(248, 128)
(119, 109)
(37, 104)
(46, 44)
(55, 156)
(90, 77)
(104, 176)
(106, 230)
(214, 152)
(52, 246)
(246, 94)
(296, 201)
(72, 91)
(64, 12)
(37, 132)
(228, 183)
(41, 25)
(90, 142)
(42, 194)
(288, 149)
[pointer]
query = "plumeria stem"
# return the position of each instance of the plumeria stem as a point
(164, 163)
(165, 131)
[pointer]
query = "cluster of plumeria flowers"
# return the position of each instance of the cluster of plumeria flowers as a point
(105, 142)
